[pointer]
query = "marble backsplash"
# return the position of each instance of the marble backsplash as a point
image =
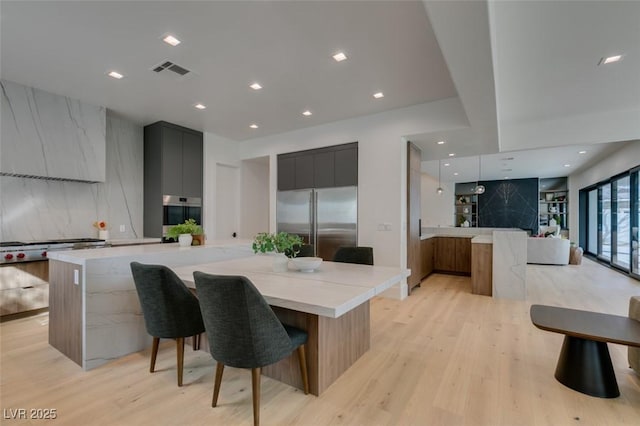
(35, 209)
(50, 136)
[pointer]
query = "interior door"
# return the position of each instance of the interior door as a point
(227, 189)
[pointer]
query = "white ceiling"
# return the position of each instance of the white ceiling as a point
(67, 47)
(525, 71)
(543, 163)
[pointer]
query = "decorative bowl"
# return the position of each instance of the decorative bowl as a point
(306, 264)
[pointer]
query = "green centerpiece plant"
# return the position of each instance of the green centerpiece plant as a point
(189, 227)
(281, 242)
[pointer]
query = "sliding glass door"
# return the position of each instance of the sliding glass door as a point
(604, 222)
(610, 214)
(592, 222)
(635, 222)
(621, 222)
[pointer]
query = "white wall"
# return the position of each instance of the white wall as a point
(216, 150)
(624, 159)
(437, 210)
(254, 197)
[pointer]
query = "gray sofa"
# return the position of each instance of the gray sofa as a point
(634, 353)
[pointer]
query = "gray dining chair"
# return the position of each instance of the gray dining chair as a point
(360, 255)
(170, 310)
(244, 332)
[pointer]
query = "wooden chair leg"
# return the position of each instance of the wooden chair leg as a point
(255, 385)
(154, 354)
(303, 368)
(180, 357)
(195, 342)
(216, 384)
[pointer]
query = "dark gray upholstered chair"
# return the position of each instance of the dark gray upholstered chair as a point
(361, 255)
(244, 332)
(170, 310)
(305, 250)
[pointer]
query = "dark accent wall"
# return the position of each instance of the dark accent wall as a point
(509, 204)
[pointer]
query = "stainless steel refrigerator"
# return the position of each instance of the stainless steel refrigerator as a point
(325, 218)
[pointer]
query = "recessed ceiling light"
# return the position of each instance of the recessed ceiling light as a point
(255, 86)
(378, 95)
(451, 154)
(115, 74)
(447, 164)
(440, 142)
(254, 126)
(307, 113)
(582, 152)
(200, 106)
(610, 60)
(567, 165)
(339, 57)
(171, 40)
(456, 174)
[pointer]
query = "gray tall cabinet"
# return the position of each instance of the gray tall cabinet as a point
(172, 166)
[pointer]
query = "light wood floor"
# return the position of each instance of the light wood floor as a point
(441, 357)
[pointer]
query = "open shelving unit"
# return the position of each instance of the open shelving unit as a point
(554, 202)
(466, 205)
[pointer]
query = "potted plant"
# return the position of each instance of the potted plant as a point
(184, 232)
(284, 245)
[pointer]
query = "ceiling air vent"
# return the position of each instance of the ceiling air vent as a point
(170, 66)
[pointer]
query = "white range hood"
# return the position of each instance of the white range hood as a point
(50, 136)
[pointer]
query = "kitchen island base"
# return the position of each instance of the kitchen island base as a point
(333, 345)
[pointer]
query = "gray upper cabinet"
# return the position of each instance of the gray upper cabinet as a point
(324, 169)
(304, 171)
(286, 173)
(170, 147)
(328, 167)
(179, 151)
(192, 164)
(346, 166)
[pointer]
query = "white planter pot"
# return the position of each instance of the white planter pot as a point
(103, 235)
(280, 262)
(185, 240)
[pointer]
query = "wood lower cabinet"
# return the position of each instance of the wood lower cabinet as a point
(482, 269)
(452, 254)
(24, 287)
(445, 254)
(65, 309)
(426, 253)
(463, 255)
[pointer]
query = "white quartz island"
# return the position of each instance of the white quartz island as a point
(94, 312)
(331, 304)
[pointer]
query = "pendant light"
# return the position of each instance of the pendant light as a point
(479, 189)
(439, 190)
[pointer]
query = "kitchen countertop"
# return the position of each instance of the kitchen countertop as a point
(81, 256)
(482, 239)
(331, 291)
(133, 241)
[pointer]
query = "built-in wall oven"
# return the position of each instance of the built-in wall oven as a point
(176, 210)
